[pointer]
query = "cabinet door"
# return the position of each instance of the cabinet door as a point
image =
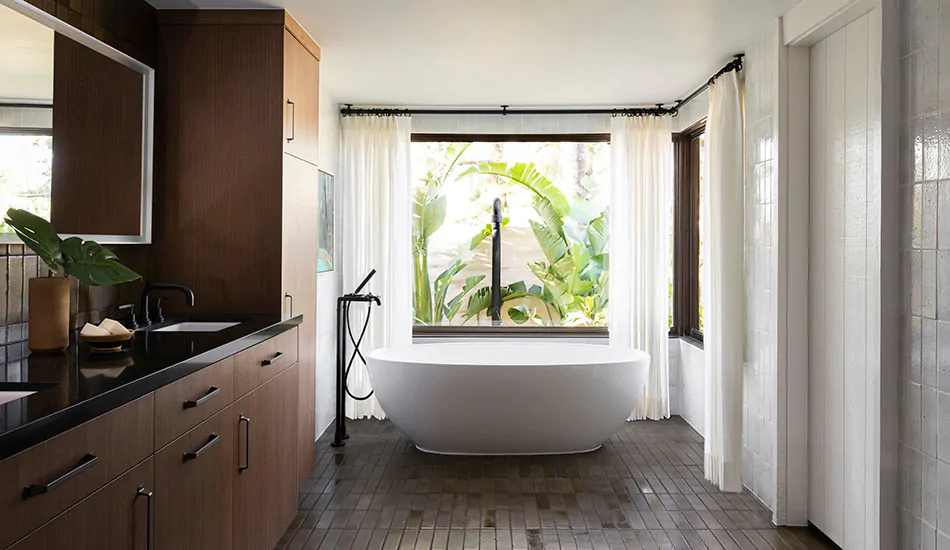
(265, 480)
(300, 281)
(193, 478)
(114, 518)
(301, 107)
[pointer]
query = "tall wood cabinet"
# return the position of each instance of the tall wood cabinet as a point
(236, 177)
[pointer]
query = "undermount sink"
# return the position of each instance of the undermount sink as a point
(195, 326)
(8, 396)
(11, 391)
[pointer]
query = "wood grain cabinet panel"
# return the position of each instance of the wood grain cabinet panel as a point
(95, 452)
(300, 281)
(264, 471)
(113, 518)
(184, 404)
(194, 489)
(256, 365)
(302, 111)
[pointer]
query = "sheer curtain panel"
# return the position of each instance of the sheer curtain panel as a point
(641, 195)
(376, 234)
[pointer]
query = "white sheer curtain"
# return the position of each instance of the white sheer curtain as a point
(722, 284)
(641, 195)
(376, 234)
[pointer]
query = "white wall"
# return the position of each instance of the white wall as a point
(328, 284)
(924, 400)
(760, 260)
(842, 205)
(688, 383)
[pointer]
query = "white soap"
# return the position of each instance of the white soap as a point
(92, 330)
(113, 327)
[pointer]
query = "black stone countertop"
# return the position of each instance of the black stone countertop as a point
(77, 385)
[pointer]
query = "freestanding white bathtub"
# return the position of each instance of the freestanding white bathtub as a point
(510, 398)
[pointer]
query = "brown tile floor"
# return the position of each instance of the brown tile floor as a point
(643, 489)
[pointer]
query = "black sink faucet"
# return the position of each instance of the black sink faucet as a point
(189, 298)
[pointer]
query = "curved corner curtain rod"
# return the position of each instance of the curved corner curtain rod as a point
(659, 110)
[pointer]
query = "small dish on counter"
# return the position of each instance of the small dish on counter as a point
(109, 337)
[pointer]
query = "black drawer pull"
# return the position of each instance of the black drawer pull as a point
(211, 441)
(214, 390)
(272, 360)
(150, 544)
(247, 443)
(85, 463)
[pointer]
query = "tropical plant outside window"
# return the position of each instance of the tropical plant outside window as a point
(555, 255)
(25, 172)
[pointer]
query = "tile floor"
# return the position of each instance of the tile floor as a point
(643, 489)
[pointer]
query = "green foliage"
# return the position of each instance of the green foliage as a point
(431, 305)
(88, 261)
(575, 273)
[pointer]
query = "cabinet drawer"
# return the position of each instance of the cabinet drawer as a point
(46, 479)
(184, 404)
(113, 518)
(193, 487)
(256, 365)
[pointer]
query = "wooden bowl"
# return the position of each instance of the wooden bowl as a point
(109, 343)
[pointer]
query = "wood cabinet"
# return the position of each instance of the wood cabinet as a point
(193, 481)
(265, 482)
(241, 87)
(186, 403)
(115, 517)
(301, 79)
(46, 479)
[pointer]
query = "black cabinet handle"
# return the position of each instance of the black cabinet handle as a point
(247, 443)
(293, 116)
(214, 390)
(85, 463)
(211, 441)
(151, 515)
(272, 360)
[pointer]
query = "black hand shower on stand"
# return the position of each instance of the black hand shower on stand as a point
(343, 365)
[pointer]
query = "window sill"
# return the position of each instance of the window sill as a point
(695, 342)
(510, 332)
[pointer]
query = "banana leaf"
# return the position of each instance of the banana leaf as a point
(529, 176)
(552, 244)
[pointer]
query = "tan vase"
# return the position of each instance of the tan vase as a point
(49, 314)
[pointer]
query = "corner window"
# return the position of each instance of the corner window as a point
(553, 193)
(687, 317)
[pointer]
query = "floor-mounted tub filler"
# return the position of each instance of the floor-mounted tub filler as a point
(508, 399)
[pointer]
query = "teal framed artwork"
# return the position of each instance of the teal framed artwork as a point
(325, 223)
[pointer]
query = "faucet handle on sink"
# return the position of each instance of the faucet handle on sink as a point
(159, 318)
(130, 322)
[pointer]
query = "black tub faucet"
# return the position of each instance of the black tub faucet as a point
(189, 298)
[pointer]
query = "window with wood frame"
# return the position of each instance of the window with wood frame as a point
(687, 319)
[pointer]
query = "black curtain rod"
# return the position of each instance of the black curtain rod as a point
(659, 110)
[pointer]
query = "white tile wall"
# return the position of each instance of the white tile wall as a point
(924, 423)
(842, 203)
(761, 237)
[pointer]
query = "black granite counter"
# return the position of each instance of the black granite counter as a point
(78, 385)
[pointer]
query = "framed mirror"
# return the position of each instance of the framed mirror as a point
(76, 129)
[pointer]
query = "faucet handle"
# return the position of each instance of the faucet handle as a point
(159, 318)
(132, 323)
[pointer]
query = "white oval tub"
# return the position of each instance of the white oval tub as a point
(510, 398)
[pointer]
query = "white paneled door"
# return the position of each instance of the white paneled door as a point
(842, 194)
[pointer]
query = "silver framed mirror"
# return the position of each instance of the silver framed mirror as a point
(76, 129)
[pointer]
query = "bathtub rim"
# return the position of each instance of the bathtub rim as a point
(388, 355)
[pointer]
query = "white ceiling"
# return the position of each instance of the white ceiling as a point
(26, 59)
(520, 52)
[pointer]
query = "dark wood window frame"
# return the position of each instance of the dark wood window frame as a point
(686, 234)
(508, 331)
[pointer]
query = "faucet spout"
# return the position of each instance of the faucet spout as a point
(496, 220)
(189, 297)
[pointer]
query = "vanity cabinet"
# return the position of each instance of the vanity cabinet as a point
(115, 517)
(237, 223)
(214, 461)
